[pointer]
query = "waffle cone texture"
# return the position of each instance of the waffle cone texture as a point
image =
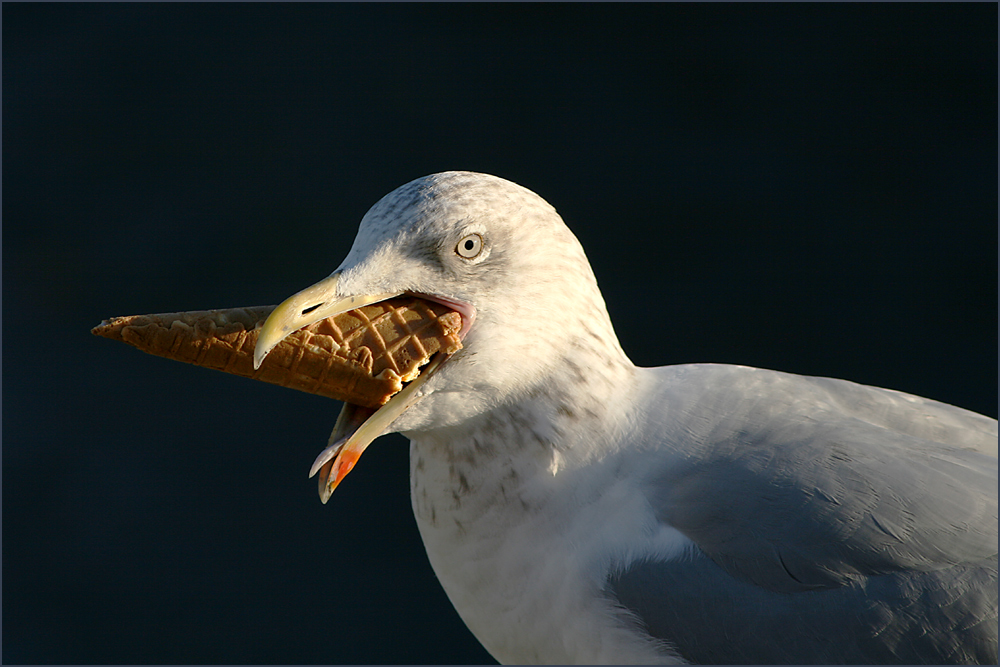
(362, 356)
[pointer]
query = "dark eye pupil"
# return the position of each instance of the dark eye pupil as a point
(469, 245)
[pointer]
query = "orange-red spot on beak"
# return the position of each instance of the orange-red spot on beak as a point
(343, 464)
(334, 471)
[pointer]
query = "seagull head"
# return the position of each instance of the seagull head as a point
(491, 250)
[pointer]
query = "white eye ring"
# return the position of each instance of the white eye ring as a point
(470, 246)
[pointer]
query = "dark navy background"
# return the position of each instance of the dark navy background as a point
(809, 188)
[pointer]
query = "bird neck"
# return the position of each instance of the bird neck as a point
(522, 449)
(513, 476)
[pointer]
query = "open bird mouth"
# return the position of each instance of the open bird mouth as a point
(357, 426)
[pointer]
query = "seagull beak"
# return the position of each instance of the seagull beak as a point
(357, 426)
(312, 304)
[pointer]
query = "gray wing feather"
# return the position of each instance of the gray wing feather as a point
(793, 513)
(812, 498)
(902, 618)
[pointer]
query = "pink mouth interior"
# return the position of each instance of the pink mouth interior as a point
(466, 310)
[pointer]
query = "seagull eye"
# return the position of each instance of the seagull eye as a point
(470, 246)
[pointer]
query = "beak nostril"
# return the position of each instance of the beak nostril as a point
(311, 308)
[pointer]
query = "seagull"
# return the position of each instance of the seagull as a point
(577, 508)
